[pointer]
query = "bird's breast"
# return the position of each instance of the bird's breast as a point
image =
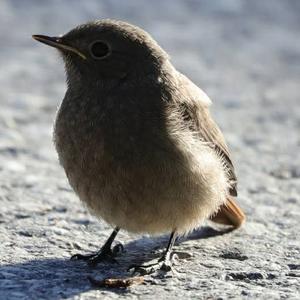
(91, 134)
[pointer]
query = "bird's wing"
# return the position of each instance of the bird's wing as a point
(194, 108)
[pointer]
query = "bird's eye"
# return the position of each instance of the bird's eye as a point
(100, 49)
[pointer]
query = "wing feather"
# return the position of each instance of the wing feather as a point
(195, 110)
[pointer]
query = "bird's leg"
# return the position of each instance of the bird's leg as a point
(106, 252)
(164, 263)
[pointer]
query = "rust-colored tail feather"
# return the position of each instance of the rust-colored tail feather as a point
(229, 214)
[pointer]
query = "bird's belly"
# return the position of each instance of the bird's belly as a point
(154, 197)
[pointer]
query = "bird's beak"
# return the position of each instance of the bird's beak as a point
(57, 42)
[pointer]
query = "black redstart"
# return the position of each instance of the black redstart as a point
(136, 138)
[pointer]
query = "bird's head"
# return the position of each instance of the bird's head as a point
(107, 49)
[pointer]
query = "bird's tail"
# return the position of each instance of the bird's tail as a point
(229, 214)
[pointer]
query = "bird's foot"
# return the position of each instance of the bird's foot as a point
(164, 264)
(105, 254)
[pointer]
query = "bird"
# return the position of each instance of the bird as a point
(137, 141)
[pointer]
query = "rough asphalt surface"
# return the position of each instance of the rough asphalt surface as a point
(246, 56)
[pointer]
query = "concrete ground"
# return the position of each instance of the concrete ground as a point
(246, 56)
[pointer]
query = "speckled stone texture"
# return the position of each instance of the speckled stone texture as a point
(246, 56)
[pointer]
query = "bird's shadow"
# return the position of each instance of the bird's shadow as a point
(58, 278)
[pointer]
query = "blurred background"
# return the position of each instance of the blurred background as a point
(244, 54)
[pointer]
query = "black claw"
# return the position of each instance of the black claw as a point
(118, 249)
(105, 254)
(82, 257)
(166, 267)
(75, 257)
